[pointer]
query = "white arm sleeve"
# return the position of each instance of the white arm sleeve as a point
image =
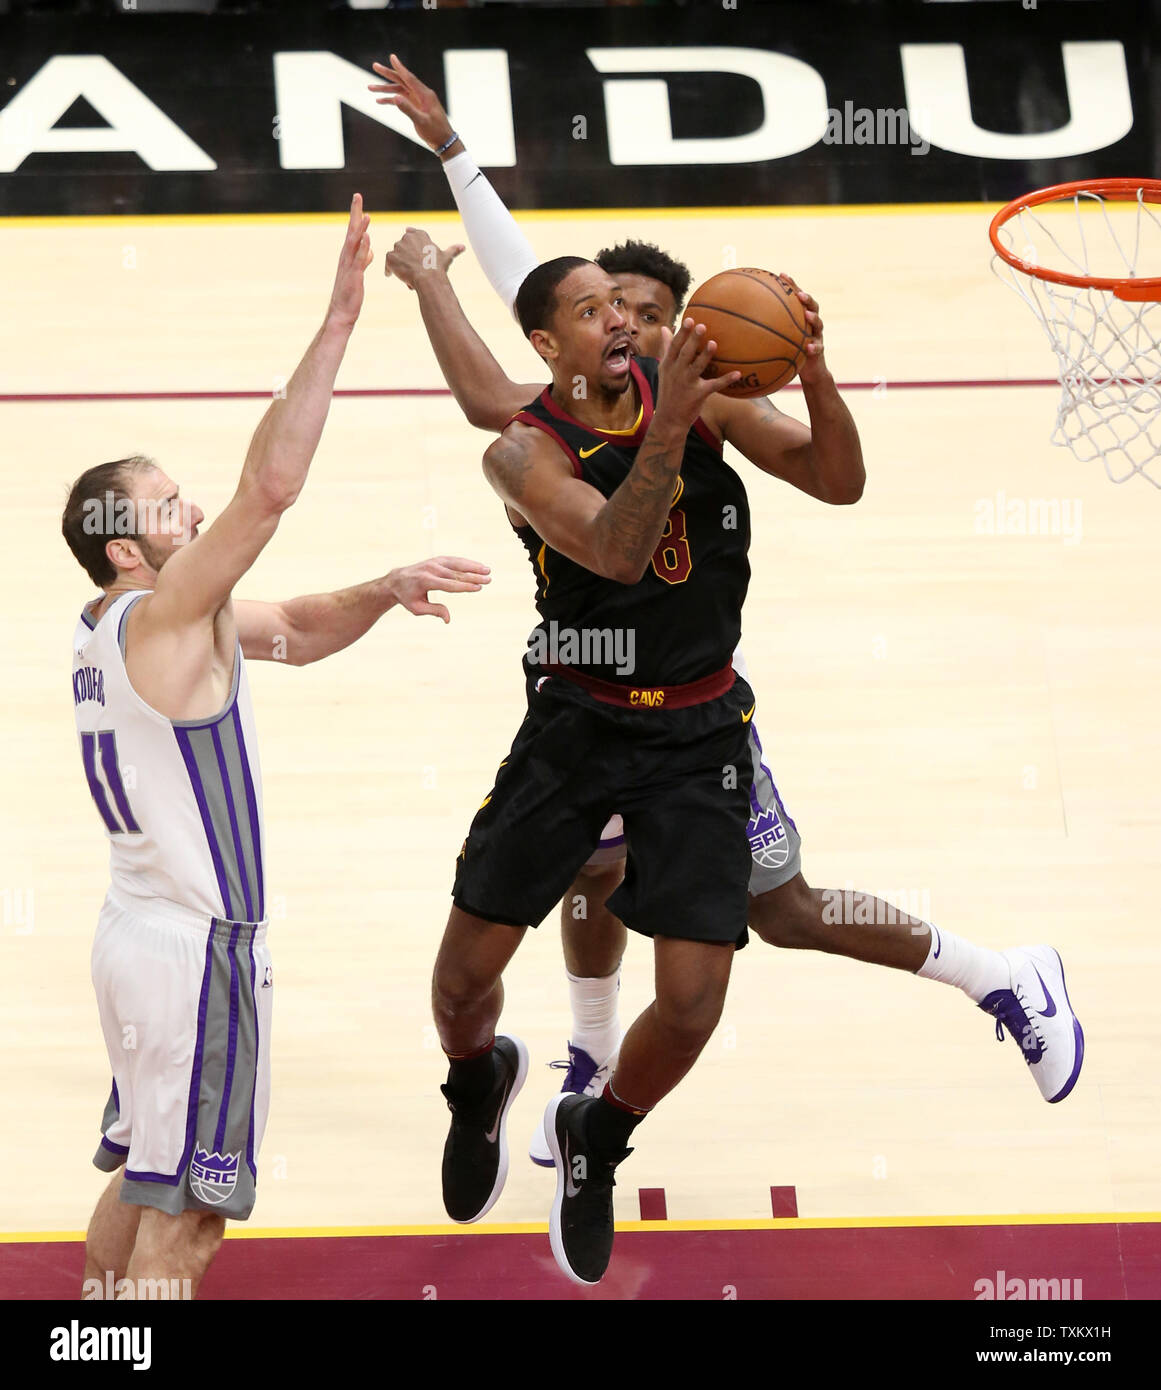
(500, 246)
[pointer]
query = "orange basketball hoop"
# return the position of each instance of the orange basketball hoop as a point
(1079, 268)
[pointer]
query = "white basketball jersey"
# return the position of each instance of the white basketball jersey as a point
(738, 662)
(181, 800)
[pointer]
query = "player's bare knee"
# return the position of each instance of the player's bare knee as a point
(790, 917)
(456, 990)
(689, 1016)
(183, 1244)
(206, 1237)
(592, 886)
(198, 1241)
(687, 1034)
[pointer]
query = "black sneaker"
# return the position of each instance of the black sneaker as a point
(581, 1225)
(475, 1157)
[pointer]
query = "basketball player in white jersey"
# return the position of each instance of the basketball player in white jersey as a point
(180, 962)
(1022, 988)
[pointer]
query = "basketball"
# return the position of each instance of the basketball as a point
(758, 325)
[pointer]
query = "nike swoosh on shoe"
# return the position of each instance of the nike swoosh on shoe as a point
(1049, 1010)
(494, 1133)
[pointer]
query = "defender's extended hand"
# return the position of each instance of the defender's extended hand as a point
(416, 100)
(448, 573)
(414, 253)
(356, 256)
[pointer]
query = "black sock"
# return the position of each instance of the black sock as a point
(470, 1080)
(607, 1127)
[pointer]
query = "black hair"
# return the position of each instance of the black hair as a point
(643, 258)
(536, 297)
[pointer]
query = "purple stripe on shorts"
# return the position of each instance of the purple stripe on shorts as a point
(257, 1052)
(611, 842)
(774, 785)
(114, 1148)
(191, 766)
(232, 1046)
(782, 811)
(252, 807)
(195, 1080)
(227, 791)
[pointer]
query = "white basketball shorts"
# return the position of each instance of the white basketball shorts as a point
(185, 1007)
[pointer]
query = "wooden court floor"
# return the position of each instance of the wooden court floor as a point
(963, 718)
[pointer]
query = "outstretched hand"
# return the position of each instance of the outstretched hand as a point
(682, 389)
(448, 573)
(414, 253)
(355, 257)
(416, 100)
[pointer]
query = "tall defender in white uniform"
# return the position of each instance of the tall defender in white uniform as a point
(180, 962)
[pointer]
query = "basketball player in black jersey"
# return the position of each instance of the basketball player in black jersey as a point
(638, 533)
(784, 909)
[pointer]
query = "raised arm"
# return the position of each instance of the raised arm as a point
(200, 577)
(301, 630)
(614, 537)
(824, 460)
(500, 246)
(483, 390)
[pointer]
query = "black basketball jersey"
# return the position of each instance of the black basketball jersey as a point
(682, 620)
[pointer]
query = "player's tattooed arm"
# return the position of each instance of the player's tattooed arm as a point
(615, 536)
(483, 390)
(824, 459)
(535, 478)
(508, 464)
(631, 522)
(301, 630)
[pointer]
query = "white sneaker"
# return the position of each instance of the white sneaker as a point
(583, 1078)
(1039, 1018)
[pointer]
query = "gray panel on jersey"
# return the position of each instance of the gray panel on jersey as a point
(216, 764)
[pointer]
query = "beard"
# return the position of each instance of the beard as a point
(610, 391)
(155, 555)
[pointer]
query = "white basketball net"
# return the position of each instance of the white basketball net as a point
(1108, 350)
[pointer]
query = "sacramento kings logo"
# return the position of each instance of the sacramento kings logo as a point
(213, 1177)
(768, 842)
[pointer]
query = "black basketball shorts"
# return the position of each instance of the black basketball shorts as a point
(679, 778)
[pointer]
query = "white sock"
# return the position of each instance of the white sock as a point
(595, 1025)
(952, 960)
